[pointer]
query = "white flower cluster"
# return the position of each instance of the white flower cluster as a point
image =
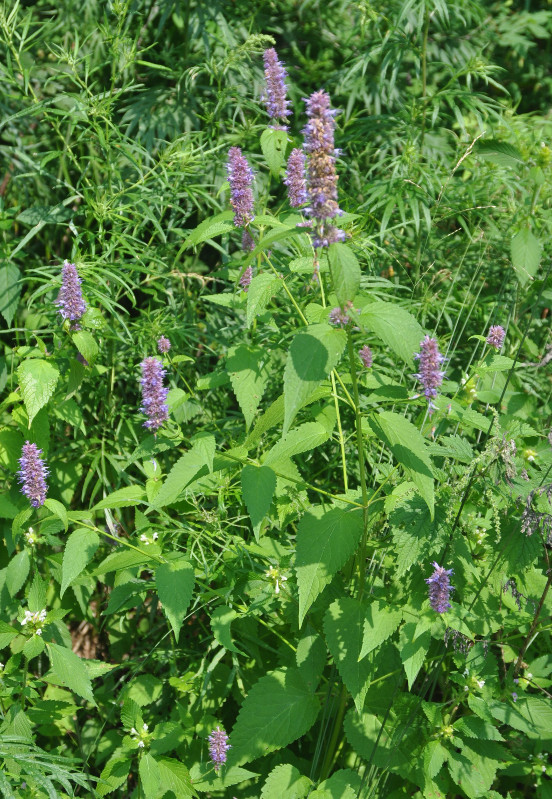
(140, 735)
(277, 576)
(34, 619)
(145, 540)
(30, 538)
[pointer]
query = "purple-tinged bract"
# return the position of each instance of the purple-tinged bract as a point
(275, 97)
(163, 345)
(365, 355)
(246, 278)
(70, 301)
(218, 747)
(154, 394)
(496, 335)
(33, 474)
(240, 178)
(295, 179)
(430, 374)
(440, 588)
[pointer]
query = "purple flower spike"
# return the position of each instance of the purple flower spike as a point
(240, 177)
(295, 178)
(246, 278)
(339, 316)
(154, 394)
(33, 474)
(440, 588)
(275, 98)
(218, 747)
(495, 337)
(430, 375)
(70, 302)
(163, 345)
(365, 356)
(248, 242)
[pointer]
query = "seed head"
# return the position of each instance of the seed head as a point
(240, 178)
(440, 588)
(33, 474)
(154, 394)
(275, 97)
(430, 375)
(218, 747)
(70, 302)
(495, 337)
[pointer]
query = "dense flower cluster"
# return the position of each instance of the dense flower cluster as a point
(246, 278)
(248, 242)
(321, 173)
(240, 178)
(70, 302)
(275, 97)
(339, 316)
(33, 474)
(154, 394)
(35, 620)
(495, 337)
(163, 345)
(365, 356)
(440, 588)
(218, 747)
(295, 178)
(430, 374)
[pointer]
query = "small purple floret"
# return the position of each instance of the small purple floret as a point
(440, 588)
(163, 345)
(275, 98)
(295, 179)
(240, 178)
(218, 747)
(365, 356)
(495, 337)
(246, 278)
(70, 302)
(340, 316)
(33, 474)
(154, 394)
(430, 375)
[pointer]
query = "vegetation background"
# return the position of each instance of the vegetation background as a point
(115, 122)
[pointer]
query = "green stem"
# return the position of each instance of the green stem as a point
(332, 746)
(424, 76)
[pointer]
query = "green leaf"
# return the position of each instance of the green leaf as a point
(414, 643)
(17, 571)
(273, 146)
(278, 710)
(221, 619)
(415, 534)
(285, 782)
(345, 270)
(343, 784)
(343, 626)
(258, 486)
(123, 559)
(499, 152)
(474, 774)
(397, 328)
(7, 634)
(175, 585)
(434, 756)
(313, 353)
(302, 439)
(69, 412)
(114, 774)
(525, 250)
(380, 622)
(123, 498)
(365, 735)
(211, 227)
(11, 443)
(9, 291)
(86, 345)
(38, 380)
(186, 469)
(310, 657)
(150, 777)
(59, 510)
(410, 449)
(261, 290)
(325, 542)
(247, 368)
(175, 777)
(71, 671)
(531, 715)
(79, 551)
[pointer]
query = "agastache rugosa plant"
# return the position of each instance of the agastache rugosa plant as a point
(430, 374)
(32, 474)
(154, 393)
(275, 93)
(70, 302)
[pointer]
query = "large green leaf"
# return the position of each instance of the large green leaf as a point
(17, 571)
(325, 542)
(410, 449)
(9, 291)
(499, 152)
(313, 353)
(345, 270)
(175, 777)
(261, 290)
(122, 498)
(273, 145)
(114, 774)
(38, 380)
(184, 471)
(209, 228)
(285, 781)
(531, 715)
(150, 777)
(278, 710)
(380, 622)
(70, 670)
(414, 643)
(258, 486)
(395, 326)
(79, 551)
(175, 585)
(343, 626)
(301, 439)
(247, 368)
(416, 535)
(525, 250)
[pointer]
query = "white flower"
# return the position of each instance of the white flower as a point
(133, 731)
(39, 631)
(480, 683)
(155, 536)
(144, 538)
(145, 727)
(141, 744)
(277, 576)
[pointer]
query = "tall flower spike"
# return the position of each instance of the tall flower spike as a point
(246, 278)
(70, 302)
(154, 394)
(365, 355)
(275, 97)
(33, 474)
(440, 588)
(430, 375)
(240, 178)
(295, 178)
(495, 337)
(163, 345)
(218, 747)
(321, 173)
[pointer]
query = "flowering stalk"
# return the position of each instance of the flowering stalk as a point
(240, 178)
(495, 337)
(275, 97)
(295, 178)
(365, 355)
(163, 345)
(430, 375)
(154, 394)
(218, 747)
(440, 588)
(70, 301)
(33, 474)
